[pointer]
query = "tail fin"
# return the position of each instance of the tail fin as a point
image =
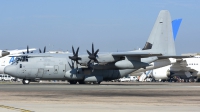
(175, 26)
(161, 37)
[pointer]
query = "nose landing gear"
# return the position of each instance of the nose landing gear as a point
(25, 81)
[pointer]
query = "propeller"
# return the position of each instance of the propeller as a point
(24, 58)
(27, 51)
(93, 55)
(71, 65)
(75, 57)
(43, 50)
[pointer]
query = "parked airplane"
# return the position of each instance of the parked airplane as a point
(96, 67)
(187, 68)
(9, 59)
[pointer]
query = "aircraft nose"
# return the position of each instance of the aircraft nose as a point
(2, 69)
(10, 70)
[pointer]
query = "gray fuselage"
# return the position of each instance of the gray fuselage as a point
(60, 67)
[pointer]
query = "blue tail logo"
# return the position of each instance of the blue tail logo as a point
(175, 27)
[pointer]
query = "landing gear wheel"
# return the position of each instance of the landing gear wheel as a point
(191, 80)
(25, 81)
(81, 82)
(87, 82)
(72, 82)
(186, 80)
(97, 82)
(198, 80)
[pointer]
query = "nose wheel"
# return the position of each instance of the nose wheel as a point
(25, 81)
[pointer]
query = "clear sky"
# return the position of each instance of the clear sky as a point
(110, 24)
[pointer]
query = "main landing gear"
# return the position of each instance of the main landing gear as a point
(82, 82)
(25, 81)
(72, 82)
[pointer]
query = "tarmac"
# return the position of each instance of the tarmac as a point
(107, 97)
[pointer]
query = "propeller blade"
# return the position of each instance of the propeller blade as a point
(96, 60)
(95, 54)
(40, 51)
(44, 49)
(77, 62)
(92, 48)
(77, 51)
(73, 50)
(89, 62)
(72, 64)
(71, 57)
(89, 52)
(27, 49)
(77, 65)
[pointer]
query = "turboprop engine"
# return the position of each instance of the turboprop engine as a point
(4, 53)
(74, 75)
(127, 64)
(174, 60)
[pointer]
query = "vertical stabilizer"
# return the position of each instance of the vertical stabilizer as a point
(161, 37)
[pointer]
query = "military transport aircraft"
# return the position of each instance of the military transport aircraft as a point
(96, 67)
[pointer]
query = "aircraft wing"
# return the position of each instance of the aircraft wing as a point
(176, 57)
(20, 51)
(136, 54)
(30, 56)
(182, 66)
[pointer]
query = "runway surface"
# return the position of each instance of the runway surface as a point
(130, 96)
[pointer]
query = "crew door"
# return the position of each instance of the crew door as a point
(40, 72)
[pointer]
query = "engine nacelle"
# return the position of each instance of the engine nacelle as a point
(126, 64)
(4, 53)
(161, 73)
(93, 78)
(73, 75)
(174, 60)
